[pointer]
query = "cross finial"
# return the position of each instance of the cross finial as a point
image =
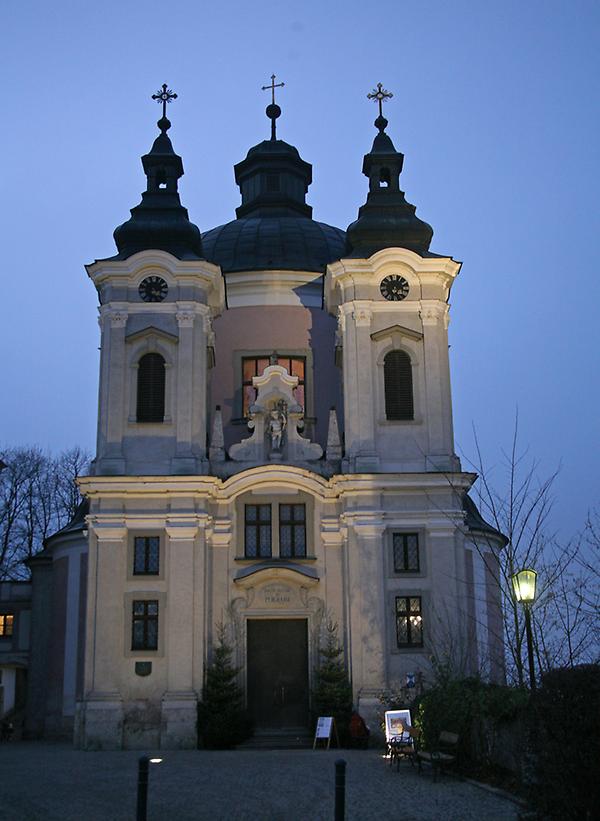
(380, 95)
(164, 96)
(273, 86)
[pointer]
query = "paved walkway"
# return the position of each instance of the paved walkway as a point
(52, 781)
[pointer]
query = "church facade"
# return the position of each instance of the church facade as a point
(275, 453)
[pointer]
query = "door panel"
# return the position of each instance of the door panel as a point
(278, 673)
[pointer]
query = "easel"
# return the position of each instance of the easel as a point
(325, 726)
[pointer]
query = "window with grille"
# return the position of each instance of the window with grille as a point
(292, 530)
(409, 621)
(144, 626)
(151, 388)
(406, 552)
(257, 540)
(255, 366)
(7, 623)
(146, 553)
(397, 375)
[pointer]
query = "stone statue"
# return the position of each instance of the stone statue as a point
(277, 425)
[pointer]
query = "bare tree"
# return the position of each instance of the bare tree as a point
(38, 496)
(518, 502)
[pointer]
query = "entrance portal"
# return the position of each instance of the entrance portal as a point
(278, 673)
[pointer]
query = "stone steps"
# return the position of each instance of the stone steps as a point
(278, 741)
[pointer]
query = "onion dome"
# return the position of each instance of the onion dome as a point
(160, 221)
(274, 228)
(386, 220)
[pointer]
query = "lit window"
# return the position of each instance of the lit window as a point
(255, 366)
(146, 551)
(257, 540)
(7, 621)
(409, 621)
(406, 552)
(292, 530)
(397, 377)
(144, 625)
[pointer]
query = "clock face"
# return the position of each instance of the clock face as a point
(153, 289)
(394, 287)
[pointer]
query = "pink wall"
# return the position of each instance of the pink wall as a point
(281, 328)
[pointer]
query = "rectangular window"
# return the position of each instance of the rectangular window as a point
(292, 531)
(7, 622)
(406, 552)
(257, 542)
(255, 366)
(409, 621)
(144, 625)
(146, 552)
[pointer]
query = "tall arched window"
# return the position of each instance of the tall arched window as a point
(397, 375)
(151, 388)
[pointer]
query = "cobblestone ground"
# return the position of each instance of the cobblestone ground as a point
(52, 782)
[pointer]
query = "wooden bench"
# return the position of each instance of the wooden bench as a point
(443, 756)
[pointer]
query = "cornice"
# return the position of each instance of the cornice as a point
(135, 264)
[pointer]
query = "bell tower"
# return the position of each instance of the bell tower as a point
(390, 294)
(157, 296)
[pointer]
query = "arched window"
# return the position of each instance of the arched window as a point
(151, 388)
(397, 375)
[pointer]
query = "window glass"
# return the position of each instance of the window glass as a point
(406, 552)
(257, 537)
(292, 531)
(409, 621)
(146, 550)
(7, 621)
(144, 626)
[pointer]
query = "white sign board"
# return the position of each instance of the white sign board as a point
(324, 725)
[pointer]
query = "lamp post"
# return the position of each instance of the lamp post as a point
(523, 584)
(142, 787)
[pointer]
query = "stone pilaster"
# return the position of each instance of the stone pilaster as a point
(103, 708)
(178, 708)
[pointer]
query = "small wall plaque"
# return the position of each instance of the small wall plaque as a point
(143, 668)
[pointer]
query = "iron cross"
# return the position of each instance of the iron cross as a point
(165, 96)
(273, 86)
(381, 95)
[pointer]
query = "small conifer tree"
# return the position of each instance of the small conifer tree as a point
(222, 720)
(332, 694)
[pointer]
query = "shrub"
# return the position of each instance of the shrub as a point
(567, 743)
(332, 695)
(222, 720)
(471, 708)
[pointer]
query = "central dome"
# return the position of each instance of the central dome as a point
(274, 229)
(292, 243)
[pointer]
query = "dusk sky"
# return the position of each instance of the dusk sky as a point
(495, 108)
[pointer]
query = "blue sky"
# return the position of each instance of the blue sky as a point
(495, 108)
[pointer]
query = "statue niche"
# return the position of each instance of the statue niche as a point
(275, 419)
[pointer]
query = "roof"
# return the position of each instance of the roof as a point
(477, 524)
(291, 243)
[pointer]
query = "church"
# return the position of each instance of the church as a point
(274, 453)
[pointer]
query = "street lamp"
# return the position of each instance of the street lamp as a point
(523, 584)
(142, 787)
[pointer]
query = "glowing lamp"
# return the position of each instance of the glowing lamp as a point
(523, 584)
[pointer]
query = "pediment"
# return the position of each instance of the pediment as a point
(151, 330)
(396, 329)
(263, 572)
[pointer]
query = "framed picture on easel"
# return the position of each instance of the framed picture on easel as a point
(396, 722)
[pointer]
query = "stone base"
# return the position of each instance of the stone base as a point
(179, 716)
(99, 724)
